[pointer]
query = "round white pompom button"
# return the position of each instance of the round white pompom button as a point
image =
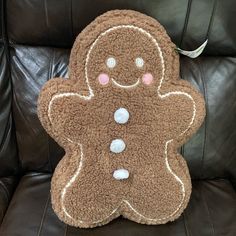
(121, 174)
(117, 146)
(121, 116)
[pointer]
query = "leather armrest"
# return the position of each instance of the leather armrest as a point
(7, 187)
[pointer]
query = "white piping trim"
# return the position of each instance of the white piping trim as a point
(61, 95)
(71, 181)
(162, 96)
(177, 178)
(125, 86)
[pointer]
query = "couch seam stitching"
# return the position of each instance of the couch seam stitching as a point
(186, 22)
(211, 19)
(71, 21)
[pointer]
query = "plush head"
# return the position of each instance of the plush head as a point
(121, 117)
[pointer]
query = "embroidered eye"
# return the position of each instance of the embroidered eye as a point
(139, 62)
(111, 62)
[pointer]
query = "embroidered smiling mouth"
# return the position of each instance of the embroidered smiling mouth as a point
(125, 86)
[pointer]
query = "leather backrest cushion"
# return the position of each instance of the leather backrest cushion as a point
(210, 152)
(189, 23)
(31, 68)
(8, 153)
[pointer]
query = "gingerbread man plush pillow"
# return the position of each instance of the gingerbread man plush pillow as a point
(121, 117)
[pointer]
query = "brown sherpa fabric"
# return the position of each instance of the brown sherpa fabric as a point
(78, 113)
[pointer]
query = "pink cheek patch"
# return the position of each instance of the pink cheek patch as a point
(147, 78)
(103, 79)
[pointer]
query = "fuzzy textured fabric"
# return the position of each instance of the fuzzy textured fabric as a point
(121, 117)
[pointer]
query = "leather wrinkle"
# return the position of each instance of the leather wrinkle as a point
(227, 162)
(186, 224)
(202, 77)
(46, 14)
(25, 70)
(43, 216)
(186, 22)
(33, 57)
(20, 111)
(208, 211)
(7, 194)
(4, 35)
(66, 230)
(7, 132)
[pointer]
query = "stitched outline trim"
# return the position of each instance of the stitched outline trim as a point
(91, 94)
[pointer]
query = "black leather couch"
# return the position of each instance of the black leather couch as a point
(35, 41)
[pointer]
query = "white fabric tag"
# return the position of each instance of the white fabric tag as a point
(195, 53)
(67, 74)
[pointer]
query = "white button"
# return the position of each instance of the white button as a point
(111, 62)
(139, 62)
(121, 115)
(121, 174)
(117, 146)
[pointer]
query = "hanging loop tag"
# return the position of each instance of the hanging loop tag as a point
(195, 53)
(67, 74)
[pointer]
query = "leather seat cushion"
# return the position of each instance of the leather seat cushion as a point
(211, 211)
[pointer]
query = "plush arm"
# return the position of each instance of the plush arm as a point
(59, 107)
(185, 110)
